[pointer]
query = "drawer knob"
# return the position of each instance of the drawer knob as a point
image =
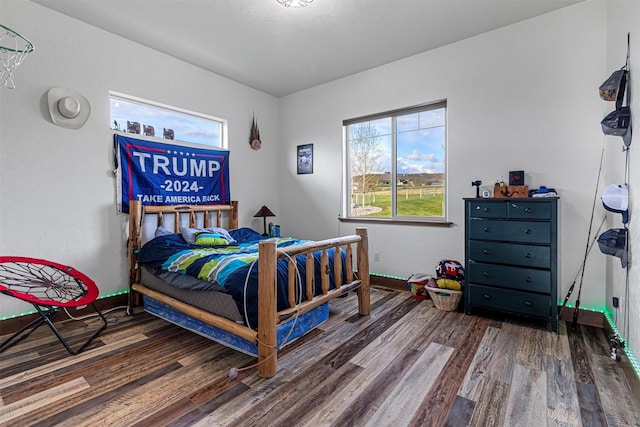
(527, 231)
(527, 254)
(527, 210)
(485, 274)
(486, 296)
(486, 251)
(487, 210)
(528, 303)
(487, 229)
(528, 279)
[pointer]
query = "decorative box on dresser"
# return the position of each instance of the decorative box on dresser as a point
(511, 254)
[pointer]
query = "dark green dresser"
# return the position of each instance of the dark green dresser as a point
(511, 254)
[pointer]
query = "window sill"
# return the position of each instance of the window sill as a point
(389, 221)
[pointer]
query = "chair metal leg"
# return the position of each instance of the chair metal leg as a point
(35, 323)
(45, 317)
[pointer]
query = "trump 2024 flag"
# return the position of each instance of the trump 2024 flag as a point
(170, 174)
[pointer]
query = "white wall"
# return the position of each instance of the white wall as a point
(623, 17)
(520, 98)
(57, 198)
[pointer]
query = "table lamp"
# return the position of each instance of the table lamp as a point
(264, 212)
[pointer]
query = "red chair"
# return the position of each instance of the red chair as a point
(49, 287)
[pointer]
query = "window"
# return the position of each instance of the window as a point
(153, 120)
(395, 164)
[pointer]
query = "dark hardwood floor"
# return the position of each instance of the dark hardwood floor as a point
(406, 364)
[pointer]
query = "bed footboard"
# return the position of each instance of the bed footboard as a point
(269, 317)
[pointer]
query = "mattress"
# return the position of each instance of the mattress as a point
(219, 303)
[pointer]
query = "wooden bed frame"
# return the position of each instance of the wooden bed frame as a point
(268, 317)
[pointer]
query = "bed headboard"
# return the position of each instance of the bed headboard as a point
(211, 215)
(195, 216)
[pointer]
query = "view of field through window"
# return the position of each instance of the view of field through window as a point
(396, 165)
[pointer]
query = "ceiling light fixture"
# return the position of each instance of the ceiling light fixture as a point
(294, 3)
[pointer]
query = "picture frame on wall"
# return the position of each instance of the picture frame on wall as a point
(305, 159)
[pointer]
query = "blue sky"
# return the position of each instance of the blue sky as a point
(420, 142)
(421, 151)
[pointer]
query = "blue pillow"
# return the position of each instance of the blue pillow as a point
(245, 234)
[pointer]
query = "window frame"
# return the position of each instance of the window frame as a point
(346, 162)
(223, 139)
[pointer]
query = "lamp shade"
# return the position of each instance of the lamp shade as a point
(263, 212)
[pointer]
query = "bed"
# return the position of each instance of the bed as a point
(252, 293)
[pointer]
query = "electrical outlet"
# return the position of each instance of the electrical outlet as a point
(616, 302)
(376, 257)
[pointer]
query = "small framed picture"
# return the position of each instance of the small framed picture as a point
(305, 159)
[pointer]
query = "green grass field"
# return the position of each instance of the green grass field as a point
(410, 202)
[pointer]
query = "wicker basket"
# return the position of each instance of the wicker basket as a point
(445, 299)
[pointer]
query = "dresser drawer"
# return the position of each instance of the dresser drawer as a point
(509, 253)
(512, 231)
(529, 210)
(484, 209)
(509, 300)
(504, 276)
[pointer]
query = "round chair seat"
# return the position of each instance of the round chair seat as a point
(45, 283)
(49, 285)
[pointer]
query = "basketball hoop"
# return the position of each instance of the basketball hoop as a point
(14, 48)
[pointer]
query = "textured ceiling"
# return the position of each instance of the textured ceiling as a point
(280, 51)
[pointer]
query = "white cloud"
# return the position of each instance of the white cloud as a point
(417, 162)
(416, 155)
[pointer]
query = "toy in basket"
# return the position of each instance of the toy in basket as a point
(448, 293)
(418, 284)
(450, 269)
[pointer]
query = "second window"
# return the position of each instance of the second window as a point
(395, 164)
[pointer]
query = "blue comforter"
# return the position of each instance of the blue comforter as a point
(230, 268)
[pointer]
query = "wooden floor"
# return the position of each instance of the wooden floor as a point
(406, 364)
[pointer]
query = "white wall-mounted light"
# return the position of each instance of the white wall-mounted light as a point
(294, 3)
